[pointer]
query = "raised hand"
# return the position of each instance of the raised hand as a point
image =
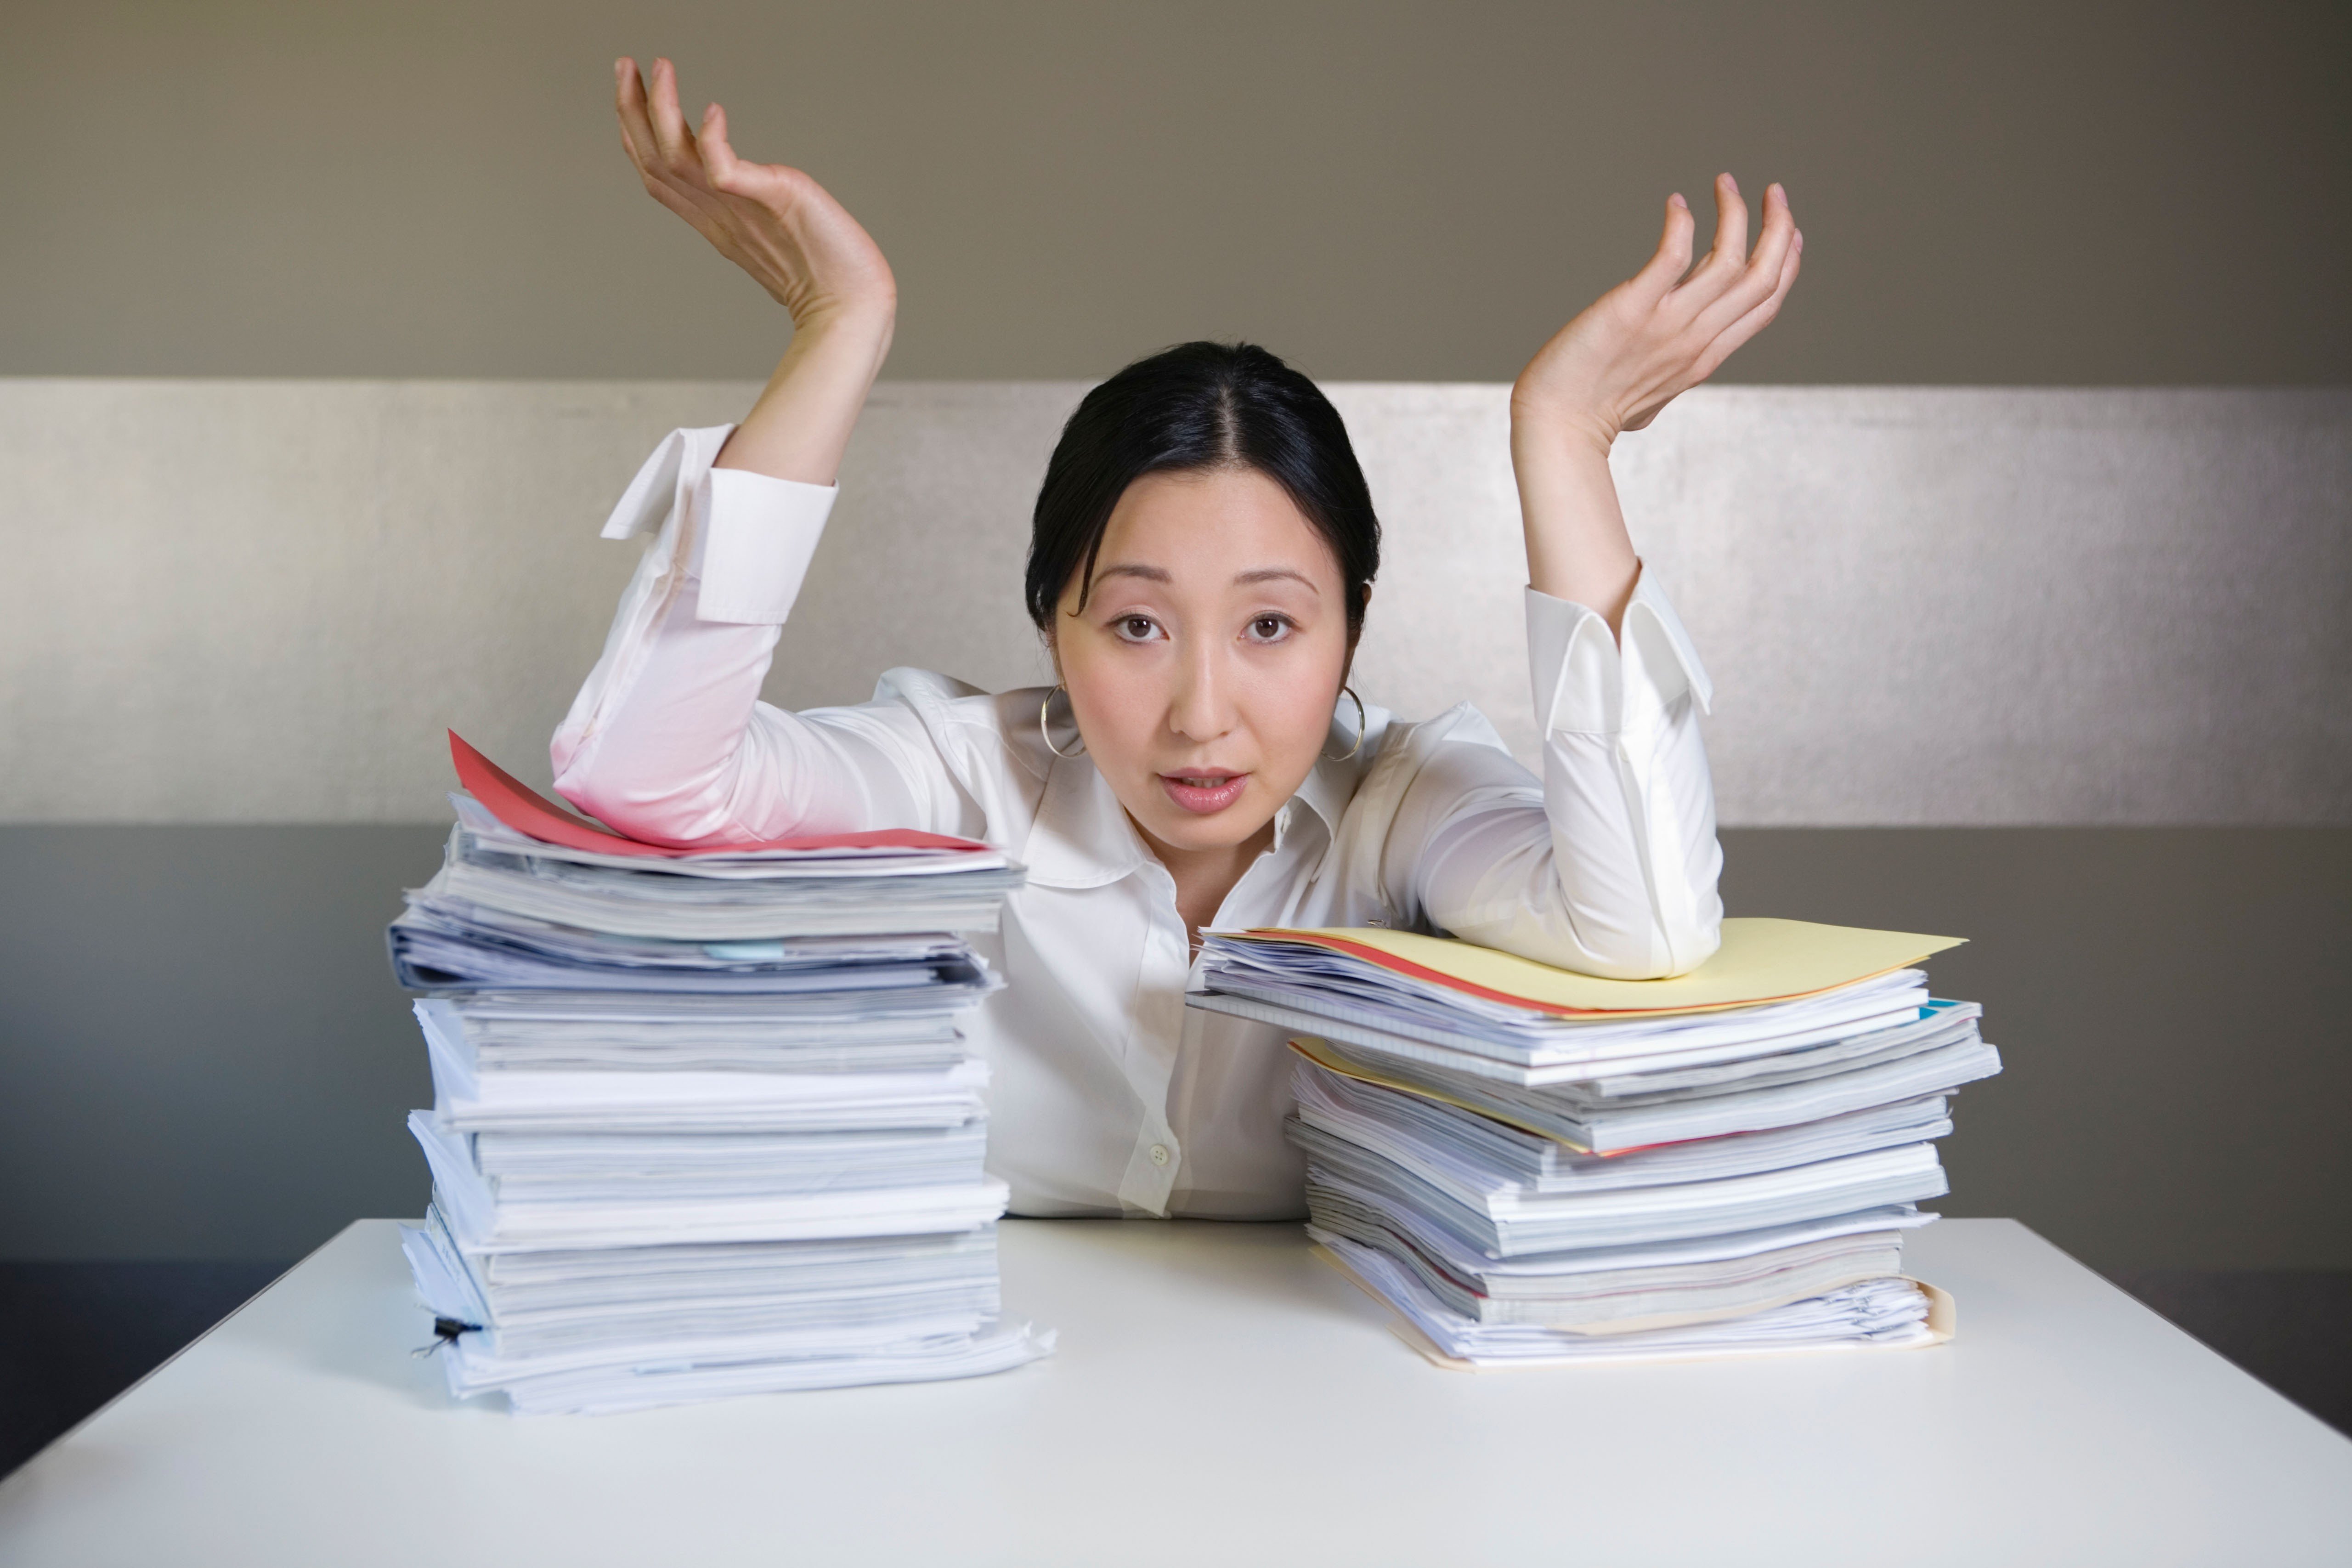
(1660, 333)
(798, 244)
(775, 223)
(1641, 345)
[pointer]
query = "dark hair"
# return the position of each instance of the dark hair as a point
(1200, 405)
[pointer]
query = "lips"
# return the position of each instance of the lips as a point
(1204, 792)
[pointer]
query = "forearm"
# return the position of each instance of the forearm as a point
(668, 739)
(1578, 549)
(1625, 357)
(800, 427)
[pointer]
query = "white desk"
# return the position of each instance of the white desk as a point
(1219, 1398)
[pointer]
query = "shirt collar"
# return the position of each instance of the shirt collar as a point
(1082, 837)
(1328, 788)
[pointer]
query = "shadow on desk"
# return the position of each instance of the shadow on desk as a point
(74, 1335)
(2292, 1328)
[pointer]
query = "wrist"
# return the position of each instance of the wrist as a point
(863, 320)
(869, 305)
(1582, 431)
(839, 344)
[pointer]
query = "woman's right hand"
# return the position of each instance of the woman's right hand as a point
(773, 222)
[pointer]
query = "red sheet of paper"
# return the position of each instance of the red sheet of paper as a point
(530, 812)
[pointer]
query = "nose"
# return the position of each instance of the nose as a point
(1201, 708)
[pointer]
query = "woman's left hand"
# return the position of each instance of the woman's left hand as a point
(1659, 333)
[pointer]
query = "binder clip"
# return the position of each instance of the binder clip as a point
(445, 1332)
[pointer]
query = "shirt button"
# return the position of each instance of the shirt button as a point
(1160, 1153)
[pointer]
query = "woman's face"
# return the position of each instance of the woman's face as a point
(1203, 668)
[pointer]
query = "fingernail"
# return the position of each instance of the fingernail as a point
(1732, 183)
(1677, 200)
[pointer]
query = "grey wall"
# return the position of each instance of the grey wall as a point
(202, 1056)
(1997, 193)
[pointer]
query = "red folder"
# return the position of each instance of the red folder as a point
(531, 813)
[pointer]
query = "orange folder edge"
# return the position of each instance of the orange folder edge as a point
(1438, 977)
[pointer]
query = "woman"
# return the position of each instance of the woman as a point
(1203, 558)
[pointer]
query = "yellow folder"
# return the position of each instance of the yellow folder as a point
(1760, 961)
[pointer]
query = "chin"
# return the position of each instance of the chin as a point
(1213, 833)
(1180, 829)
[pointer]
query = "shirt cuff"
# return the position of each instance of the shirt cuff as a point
(1589, 682)
(758, 537)
(753, 536)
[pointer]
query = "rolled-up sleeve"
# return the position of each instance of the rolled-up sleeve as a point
(1587, 682)
(754, 550)
(668, 739)
(1611, 869)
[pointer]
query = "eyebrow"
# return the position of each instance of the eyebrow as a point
(1159, 574)
(1271, 573)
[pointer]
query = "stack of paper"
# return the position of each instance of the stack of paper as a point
(703, 1124)
(1534, 1166)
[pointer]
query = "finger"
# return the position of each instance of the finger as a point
(1755, 320)
(1720, 266)
(1761, 275)
(1665, 269)
(629, 102)
(1779, 231)
(676, 141)
(719, 160)
(1730, 222)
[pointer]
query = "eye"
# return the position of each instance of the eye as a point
(1135, 628)
(1269, 628)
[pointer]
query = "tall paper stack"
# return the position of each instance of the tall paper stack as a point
(703, 1124)
(1531, 1166)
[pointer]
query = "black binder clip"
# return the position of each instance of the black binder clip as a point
(445, 1332)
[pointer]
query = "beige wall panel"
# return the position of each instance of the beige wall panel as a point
(1987, 606)
(255, 601)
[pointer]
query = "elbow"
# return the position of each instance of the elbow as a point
(597, 787)
(1611, 929)
(1595, 945)
(630, 792)
(1587, 946)
(1686, 948)
(1662, 957)
(1682, 940)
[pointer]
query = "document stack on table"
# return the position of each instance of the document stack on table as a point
(1533, 1167)
(703, 1124)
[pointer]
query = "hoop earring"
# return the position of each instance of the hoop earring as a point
(1047, 735)
(1349, 693)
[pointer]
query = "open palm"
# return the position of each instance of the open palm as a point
(774, 222)
(1660, 333)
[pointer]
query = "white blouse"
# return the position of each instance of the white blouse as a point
(1108, 1095)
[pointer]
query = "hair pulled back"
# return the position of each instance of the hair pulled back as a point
(1200, 406)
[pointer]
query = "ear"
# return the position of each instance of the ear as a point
(1356, 637)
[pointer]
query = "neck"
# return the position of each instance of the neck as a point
(1203, 877)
